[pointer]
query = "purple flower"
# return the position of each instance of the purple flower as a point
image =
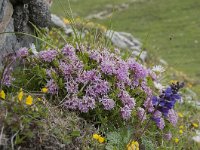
(66, 69)
(167, 99)
(108, 67)
(86, 104)
(101, 87)
(108, 103)
(146, 89)
(167, 136)
(126, 99)
(91, 92)
(71, 86)
(95, 55)
(138, 70)
(7, 76)
(172, 117)
(149, 105)
(141, 114)
(22, 52)
(52, 87)
(48, 56)
(160, 123)
(72, 103)
(157, 114)
(122, 72)
(120, 85)
(126, 112)
(68, 50)
(91, 75)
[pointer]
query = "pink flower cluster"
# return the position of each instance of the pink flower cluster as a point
(87, 89)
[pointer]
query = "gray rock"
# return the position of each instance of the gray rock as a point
(123, 40)
(8, 42)
(2, 9)
(39, 13)
(57, 22)
(20, 18)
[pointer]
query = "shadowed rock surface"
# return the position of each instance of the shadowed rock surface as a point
(15, 16)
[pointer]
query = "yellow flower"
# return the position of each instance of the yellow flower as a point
(29, 100)
(51, 33)
(181, 131)
(195, 125)
(95, 136)
(66, 21)
(189, 85)
(173, 81)
(134, 145)
(176, 140)
(181, 127)
(20, 95)
(98, 138)
(101, 139)
(2, 95)
(44, 90)
(180, 115)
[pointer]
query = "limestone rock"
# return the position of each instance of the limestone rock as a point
(57, 22)
(8, 42)
(39, 13)
(123, 40)
(2, 9)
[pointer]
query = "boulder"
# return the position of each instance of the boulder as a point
(125, 40)
(15, 16)
(8, 42)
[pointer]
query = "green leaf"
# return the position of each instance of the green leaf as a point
(75, 133)
(114, 138)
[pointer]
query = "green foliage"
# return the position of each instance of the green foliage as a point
(148, 144)
(119, 139)
(21, 122)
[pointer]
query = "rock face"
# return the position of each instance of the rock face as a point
(15, 16)
(8, 42)
(127, 41)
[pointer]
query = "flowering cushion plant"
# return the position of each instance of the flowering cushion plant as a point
(106, 89)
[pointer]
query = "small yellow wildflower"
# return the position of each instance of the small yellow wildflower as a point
(95, 136)
(39, 99)
(195, 125)
(20, 95)
(180, 115)
(176, 140)
(78, 20)
(29, 100)
(66, 21)
(134, 145)
(50, 33)
(98, 138)
(181, 131)
(44, 90)
(189, 85)
(101, 139)
(181, 127)
(2, 95)
(173, 81)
